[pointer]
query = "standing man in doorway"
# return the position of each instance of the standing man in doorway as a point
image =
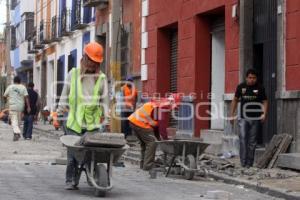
(254, 106)
(86, 97)
(30, 117)
(129, 94)
(17, 96)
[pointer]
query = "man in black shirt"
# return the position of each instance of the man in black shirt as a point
(253, 111)
(30, 117)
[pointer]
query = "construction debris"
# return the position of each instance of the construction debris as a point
(232, 168)
(279, 144)
(216, 162)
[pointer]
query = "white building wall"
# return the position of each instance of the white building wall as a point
(26, 6)
(64, 47)
(51, 79)
(23, 48)
(37, 76)
(51, 59)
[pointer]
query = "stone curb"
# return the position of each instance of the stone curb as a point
(275, 192)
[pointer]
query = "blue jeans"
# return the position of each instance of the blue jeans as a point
(28, 125)
(248, 140)
(126, 129)
(72, 164)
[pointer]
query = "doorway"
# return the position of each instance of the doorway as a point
(265, 59)
(50, 88)
(60, 77)
(217, 74)
(44, 83)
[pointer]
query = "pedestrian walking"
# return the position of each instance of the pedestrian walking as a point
(85, 97)
(16, 94)
(130, 95)
(30, 117)
(253, 112)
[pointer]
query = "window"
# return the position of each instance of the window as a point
(14, 4)
(13, 37)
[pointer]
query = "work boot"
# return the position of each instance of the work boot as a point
(16, 137)
(70, 186)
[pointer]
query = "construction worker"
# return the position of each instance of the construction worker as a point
(85, 96)
(144, 123)
(130, 95)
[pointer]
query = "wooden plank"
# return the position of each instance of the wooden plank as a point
(269, 153)
(285, 143)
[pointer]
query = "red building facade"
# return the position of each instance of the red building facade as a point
(292, 45)
(246, 45)
(193, 20)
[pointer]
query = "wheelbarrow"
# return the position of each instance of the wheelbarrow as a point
(184, 155)
(96, 162)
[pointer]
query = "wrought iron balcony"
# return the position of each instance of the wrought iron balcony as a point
(36, 38)
(31, 46)
(45, 32)
(100, 4)
(80, 16)
(55, 36)
(65, 29)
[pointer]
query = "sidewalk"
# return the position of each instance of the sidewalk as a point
(275, 182)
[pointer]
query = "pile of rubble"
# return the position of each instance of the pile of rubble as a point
(231, 167)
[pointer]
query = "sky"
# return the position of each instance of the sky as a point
(2, 14)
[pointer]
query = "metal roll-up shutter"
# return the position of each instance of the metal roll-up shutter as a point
(173, 73)
(265, 59)
(173, 68)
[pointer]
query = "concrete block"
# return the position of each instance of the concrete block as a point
(214, 149)
(289, 160)
(211, 136)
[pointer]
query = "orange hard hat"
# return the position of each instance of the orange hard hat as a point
(94, 51)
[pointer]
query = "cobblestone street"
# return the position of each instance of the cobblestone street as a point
(27, 173)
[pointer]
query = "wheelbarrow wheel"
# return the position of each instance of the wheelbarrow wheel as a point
(101, 177)
(190, 162)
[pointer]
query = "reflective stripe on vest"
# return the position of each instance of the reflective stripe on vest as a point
(142, 116)
(80, 113)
